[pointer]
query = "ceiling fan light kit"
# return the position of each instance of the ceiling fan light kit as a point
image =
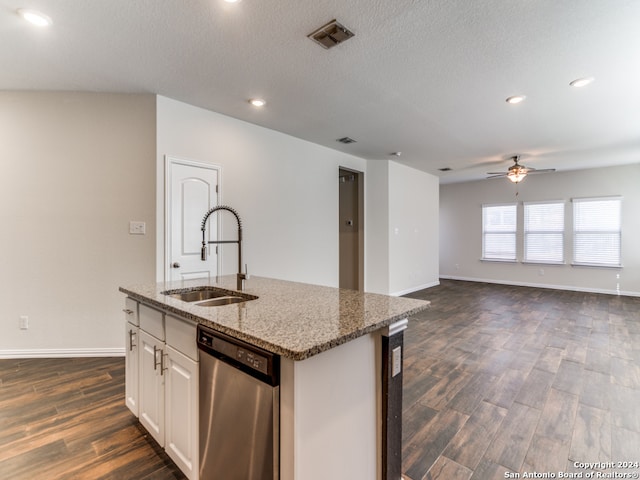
(517, 172)
(516, 176)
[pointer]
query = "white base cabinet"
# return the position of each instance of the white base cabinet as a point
(181, 401)
(131, 354)
(162, 383)
(131, 367)
(151, 393)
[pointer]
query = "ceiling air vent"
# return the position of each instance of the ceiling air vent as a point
(331, 34)
(346, 140)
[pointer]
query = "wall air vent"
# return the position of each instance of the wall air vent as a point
(331, 34)
(445, 169)
(346, 140)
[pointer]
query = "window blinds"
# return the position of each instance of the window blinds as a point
(597, 231)
(499, 232)
(544, 232)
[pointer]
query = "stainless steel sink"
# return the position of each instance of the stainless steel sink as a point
(209, 296)
(197, 295)
(216, 302)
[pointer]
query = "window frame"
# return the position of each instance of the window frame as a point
(577, 233)
(526, 232)
(513, 233)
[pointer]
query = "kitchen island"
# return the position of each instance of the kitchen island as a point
(340, 367)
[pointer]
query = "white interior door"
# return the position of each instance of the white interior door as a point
(192, 189)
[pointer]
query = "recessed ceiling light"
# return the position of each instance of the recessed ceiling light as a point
(516, 99)
(257, 102)
(232, 1)
(34, 17)
(581, 82)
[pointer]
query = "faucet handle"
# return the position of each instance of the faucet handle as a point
(246, 272)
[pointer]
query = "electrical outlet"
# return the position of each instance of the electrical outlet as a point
(396, 361)
(24, 322)
(137, 228)
(541, 272)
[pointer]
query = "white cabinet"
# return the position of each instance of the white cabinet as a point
(151, 393)
(131, 354)
(181, 397)
(131, 367)
(166, 377)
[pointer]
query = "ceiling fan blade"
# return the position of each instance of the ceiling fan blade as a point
(542, 170)
(497, 173)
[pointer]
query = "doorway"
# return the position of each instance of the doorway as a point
(191, 190)
(351, 228)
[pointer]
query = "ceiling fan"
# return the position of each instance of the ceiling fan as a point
(517, 172)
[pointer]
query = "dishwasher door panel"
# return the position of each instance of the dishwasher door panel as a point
(238, 431)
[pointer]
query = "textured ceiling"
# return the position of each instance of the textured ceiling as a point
(428, 78)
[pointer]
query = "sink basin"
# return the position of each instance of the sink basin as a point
(197, 295)
(216, 302)
(209, 296)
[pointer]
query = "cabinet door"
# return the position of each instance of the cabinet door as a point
(131, 367)
(182, 412)
(151, 385)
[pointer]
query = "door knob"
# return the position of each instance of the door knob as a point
(175, 265)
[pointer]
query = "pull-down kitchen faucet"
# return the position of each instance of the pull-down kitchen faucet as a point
(203, 255)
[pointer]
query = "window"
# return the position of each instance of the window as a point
(597, 231)
(544, 232)
(499, 232)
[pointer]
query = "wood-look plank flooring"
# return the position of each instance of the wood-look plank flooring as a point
(65, 419)
(497, 379)
(503, 379)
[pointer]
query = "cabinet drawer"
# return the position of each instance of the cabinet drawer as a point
(131, 311)
(181, 335)
(152, 321)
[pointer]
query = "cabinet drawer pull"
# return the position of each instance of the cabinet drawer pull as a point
(127, 311)
(132, 334)
(155, 358)
(162, 367)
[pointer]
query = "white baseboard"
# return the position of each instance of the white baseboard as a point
(415, 289)
(543, 285)
(62, 353)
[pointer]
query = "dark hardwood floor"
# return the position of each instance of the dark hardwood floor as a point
(502, 379)
(65, 419)
(497, 379)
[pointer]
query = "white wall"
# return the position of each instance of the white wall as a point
(377, 227)
(461, 229)
(76, 168)
(413, 229)
(285, 190)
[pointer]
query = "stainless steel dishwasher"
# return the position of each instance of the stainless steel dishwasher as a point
(239, 409)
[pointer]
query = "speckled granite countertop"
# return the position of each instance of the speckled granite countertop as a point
(295, 320)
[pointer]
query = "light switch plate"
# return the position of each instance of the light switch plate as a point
(137, 228)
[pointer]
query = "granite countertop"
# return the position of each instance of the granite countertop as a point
(295, 320)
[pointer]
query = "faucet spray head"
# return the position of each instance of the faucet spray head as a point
(203, 252)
